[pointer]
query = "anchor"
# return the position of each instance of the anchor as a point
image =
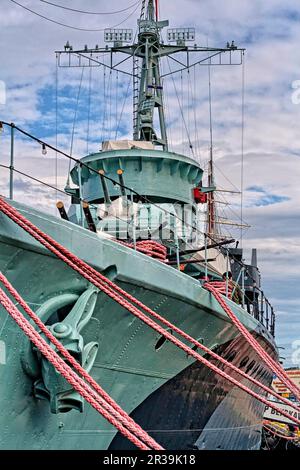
(51, 385)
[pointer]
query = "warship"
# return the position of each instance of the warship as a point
(135, 218)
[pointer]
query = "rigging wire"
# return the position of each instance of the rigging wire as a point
(210, 116)
(123, 107)
(193, 104)
(225, 203)
(38, 181)
(226, 177)
(211, 208)
(240, 216)
(181, 112)
(182, 125)
(229, 206)
(188, 100)
(74, 124)
(73, 196)
(143, 10)
(104, 104)
(130, 78)
(70, 26)
(117, 98)
(56, 123)
(194, 100)
(168, 116)
(106, 124)
(110, 103)
(167, 110)
(107, 102)
(89, 111)
(242, 145)
(91, 12)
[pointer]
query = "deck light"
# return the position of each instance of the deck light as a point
(44, 149)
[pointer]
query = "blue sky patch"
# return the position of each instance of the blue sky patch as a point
(269, 199)
(266, 199)
(255, 189)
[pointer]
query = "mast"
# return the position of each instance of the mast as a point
(150, 11)
(146, 54)
(211, 205)
(151, 91)
(156, 9)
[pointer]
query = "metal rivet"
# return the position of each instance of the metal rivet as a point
(60, 328)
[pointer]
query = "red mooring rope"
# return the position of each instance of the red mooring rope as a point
(222, 288)
(148, 247)
(252, 341)
(121, 421)
(104, 284)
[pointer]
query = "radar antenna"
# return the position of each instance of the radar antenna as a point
(147, 54)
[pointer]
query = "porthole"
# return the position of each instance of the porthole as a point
(161, 341)
(194, 347)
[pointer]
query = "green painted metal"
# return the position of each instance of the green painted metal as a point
(150, 93)
(66, 326)
(162, 175)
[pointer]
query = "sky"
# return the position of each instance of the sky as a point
(269, 30)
